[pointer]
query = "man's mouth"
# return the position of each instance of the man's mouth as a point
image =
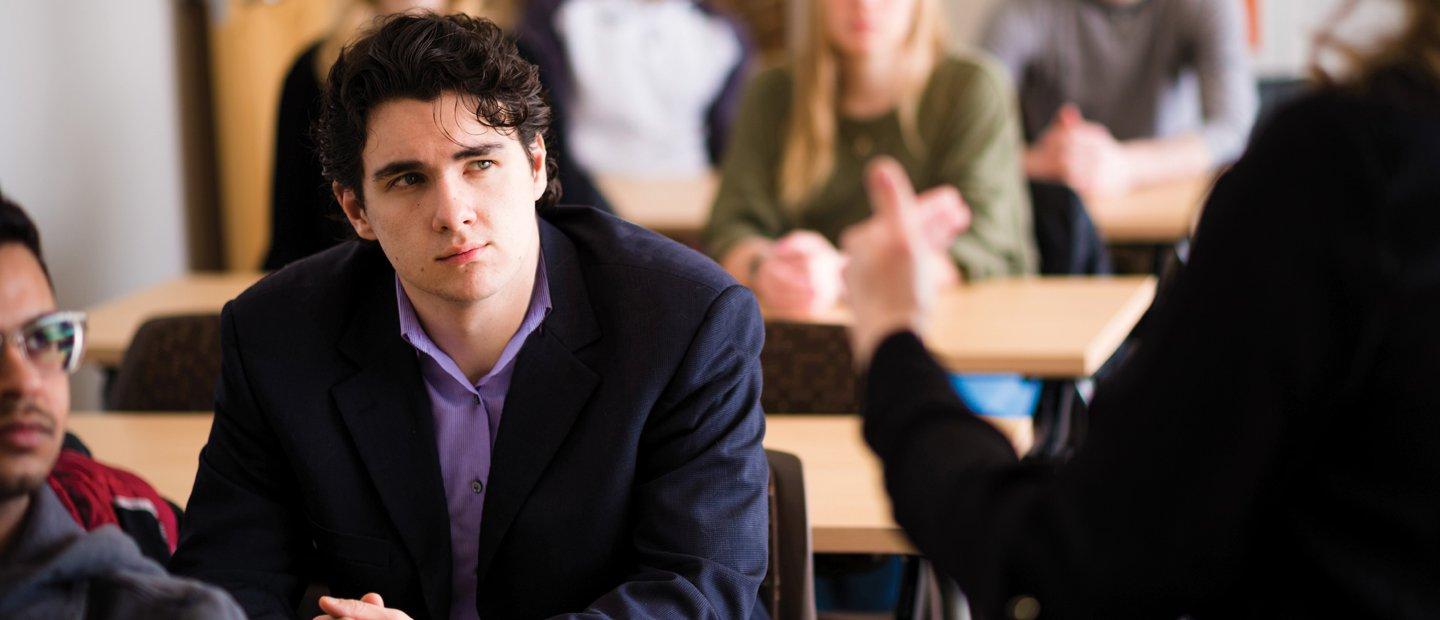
(28, 433)
(461, 255)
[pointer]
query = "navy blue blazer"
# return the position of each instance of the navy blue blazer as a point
(628, 478)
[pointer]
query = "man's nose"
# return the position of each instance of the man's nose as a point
(453, 209)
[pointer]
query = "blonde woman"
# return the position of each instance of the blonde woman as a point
(870, 79)
(1272, 451)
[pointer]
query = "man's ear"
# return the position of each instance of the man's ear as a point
(354, 210)
(537, 167)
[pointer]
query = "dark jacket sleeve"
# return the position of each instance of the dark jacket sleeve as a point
(242, 526)
(1187, 440)
(701, 516)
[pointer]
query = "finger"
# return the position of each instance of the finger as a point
(1069, 116)
(851, 239)
(787, 272)
(892, 197)
(942, 206)
(785, 293)
(797, 240)
(333, 607)
(787, 248)
(809, 245)
(374, 599)
(349, 608)
(943, 214)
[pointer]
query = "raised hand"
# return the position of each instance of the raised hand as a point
(891, 259)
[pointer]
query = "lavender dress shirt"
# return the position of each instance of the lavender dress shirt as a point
(466, 419)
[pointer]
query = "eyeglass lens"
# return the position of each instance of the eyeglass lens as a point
(50, 342)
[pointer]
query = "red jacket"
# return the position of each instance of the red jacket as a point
(97, 494)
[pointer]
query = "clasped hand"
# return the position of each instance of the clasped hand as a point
(801, 272)
(1080, 154)
(369, 607)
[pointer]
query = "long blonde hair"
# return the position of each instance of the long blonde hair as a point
(1416, 46)
(809, 147)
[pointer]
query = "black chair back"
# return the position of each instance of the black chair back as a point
(807, 369)
(789, 587)
(172, 364)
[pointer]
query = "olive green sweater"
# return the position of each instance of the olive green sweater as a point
(970, 138)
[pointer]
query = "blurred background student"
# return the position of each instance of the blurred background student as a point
(869, 78)
(1271, 451)
(304, 218)
(1118, 94)
(873, 78)
(639, 88)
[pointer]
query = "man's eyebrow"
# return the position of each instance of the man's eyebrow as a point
(410, 165)
(478, 150)
(395, 167)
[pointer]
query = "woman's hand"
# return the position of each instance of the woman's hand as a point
(799, 274)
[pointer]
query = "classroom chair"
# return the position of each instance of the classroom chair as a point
(807, 368)
(789, 586)
(172, 364)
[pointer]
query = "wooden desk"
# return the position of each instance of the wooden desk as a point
(678, 208)
(113, 323)
(681, 207)
(1043, 327)
(1053, 327)
(849, 511)
(162, 448)
(1160, 214)
(844, 488)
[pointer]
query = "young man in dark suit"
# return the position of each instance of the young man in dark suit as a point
(488, 406)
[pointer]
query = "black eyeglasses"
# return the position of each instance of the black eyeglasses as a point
(54, 341)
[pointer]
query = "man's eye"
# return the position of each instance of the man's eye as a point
(407, 179)
(482, 164)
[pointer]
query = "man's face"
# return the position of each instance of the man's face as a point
(34, 401)
(451, 201)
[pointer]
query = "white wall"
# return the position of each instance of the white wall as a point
(90, 144)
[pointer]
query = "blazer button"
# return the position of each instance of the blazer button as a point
(1024, 607)
(477, 486)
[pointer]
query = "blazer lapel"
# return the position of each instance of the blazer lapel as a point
(550, 387)
(386, 409)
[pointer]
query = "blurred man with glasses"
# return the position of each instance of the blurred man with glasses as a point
(49, 566)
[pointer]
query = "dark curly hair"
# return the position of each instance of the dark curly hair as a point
(421, 56)
(17, 227)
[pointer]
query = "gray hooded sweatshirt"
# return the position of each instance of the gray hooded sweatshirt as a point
(56, 570)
